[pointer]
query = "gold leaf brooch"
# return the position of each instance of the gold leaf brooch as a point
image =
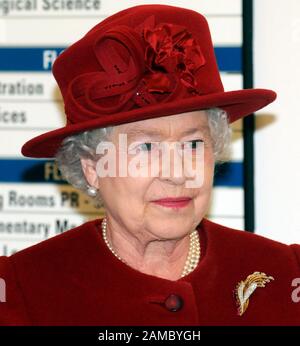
(244, 289)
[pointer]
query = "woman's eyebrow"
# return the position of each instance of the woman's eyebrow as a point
(192, 130)
(143, 132)
(158, 132)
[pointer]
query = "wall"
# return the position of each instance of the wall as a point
(276, 62)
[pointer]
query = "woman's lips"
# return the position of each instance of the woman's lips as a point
(173, 202)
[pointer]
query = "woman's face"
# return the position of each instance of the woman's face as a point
(129, 200)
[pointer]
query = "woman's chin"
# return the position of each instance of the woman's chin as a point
(170, 232)
(165, 221)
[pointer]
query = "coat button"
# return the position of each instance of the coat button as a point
(174, 302)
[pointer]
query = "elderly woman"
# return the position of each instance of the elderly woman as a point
(139, 81)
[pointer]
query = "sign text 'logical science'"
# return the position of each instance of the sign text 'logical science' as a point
(12, 7)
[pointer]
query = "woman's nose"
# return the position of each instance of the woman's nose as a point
(172, 164)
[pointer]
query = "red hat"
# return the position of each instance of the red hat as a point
(143, 62)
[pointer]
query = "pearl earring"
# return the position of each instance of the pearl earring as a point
(92, 191)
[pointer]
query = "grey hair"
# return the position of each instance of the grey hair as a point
(84, 144)
(220, 132)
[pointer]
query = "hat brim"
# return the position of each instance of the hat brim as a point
(237, 104)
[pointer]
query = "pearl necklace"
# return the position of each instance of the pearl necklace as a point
(192, 258)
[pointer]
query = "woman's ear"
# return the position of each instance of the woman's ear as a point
(89, 171)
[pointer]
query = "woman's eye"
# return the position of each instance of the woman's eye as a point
(145, 146)
(149, 146)
(192, 144)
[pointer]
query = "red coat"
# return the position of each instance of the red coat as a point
(74, 279)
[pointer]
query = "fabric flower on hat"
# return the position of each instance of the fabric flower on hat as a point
(171, 49)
